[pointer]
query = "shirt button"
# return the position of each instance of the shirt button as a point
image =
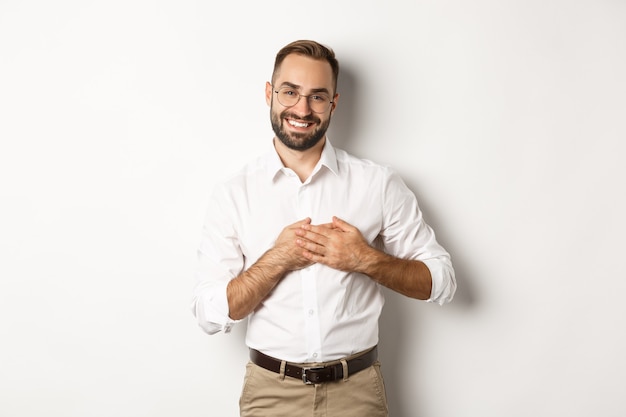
(311, 312)
(315, 355)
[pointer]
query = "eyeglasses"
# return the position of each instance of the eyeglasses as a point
(289, 97)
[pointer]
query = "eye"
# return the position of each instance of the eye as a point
(289, 92)
(319, 98)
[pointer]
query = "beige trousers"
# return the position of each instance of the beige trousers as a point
(268, 394)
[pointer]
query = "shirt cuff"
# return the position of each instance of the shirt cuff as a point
(443, 281)
(212, 311)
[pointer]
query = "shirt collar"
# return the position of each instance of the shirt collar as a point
(328, 158)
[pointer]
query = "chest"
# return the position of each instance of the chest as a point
(264, 211)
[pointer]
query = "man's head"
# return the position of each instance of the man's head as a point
(302, 95)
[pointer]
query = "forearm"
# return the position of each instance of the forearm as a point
(408, 277)
(246, 291)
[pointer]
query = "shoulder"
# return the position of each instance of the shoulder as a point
(234, 185)
(255, 168)
(349, 162)
(374, 175)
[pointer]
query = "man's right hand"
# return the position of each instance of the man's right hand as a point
(286, 252)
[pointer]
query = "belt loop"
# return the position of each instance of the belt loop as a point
(344, 364)
(281, 374)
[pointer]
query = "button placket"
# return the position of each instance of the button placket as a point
(309, 283)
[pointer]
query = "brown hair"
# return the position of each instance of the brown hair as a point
(310, 49)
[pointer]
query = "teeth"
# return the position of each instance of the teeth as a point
(298, 124)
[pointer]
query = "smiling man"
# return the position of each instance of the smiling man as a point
(299, 243)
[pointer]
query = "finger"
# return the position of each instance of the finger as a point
(312, 236)
(341, 224)
(314, 258)
(321, 230)
(300, 223)
(303, 222)
(311, 246)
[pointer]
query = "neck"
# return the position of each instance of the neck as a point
(300, 162)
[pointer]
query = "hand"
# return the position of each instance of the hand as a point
(338, 245)
(286, 252)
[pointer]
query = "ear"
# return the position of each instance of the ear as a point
(334, 105)
(269, 90)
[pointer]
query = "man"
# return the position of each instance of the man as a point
(300, 242)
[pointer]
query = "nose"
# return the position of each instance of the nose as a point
(302, 107)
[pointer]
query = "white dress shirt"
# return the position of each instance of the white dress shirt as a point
(317, 313)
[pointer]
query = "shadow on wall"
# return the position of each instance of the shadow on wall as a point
(344, 123)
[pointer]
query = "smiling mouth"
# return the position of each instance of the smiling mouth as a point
(296, 123)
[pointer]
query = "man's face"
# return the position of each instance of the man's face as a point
(298, 127)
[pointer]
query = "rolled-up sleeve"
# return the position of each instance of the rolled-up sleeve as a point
(443, 280)
(219, 260)
(406, 235)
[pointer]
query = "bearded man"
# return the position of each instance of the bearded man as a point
(299, 242)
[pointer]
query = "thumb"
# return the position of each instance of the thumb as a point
(340, 224)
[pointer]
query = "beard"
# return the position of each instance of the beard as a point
(298, 141)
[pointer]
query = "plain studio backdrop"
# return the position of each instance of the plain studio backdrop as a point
(506, 118)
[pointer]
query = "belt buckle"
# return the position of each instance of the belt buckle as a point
(309, 368)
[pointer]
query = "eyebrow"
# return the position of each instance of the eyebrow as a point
(298, 87)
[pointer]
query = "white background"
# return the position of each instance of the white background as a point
(507, 119)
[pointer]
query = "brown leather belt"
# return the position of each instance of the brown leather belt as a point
(316, 374)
